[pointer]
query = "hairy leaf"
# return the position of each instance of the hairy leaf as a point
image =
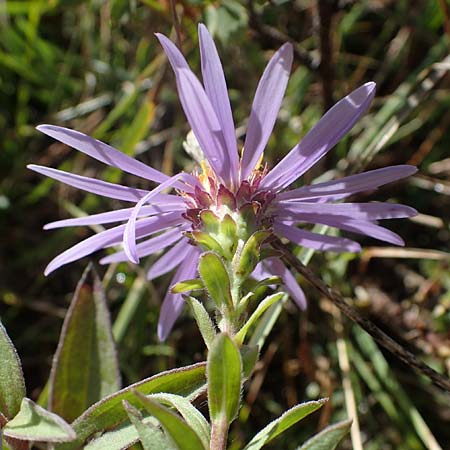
(190, 414)
(34, 423)
(85, 367)
(266, 303)
(109, 412)
(224, 379)
(203, 320)
(287, 420)
(150, 435)
(12, 385)
(329, 438)
(181, 433)
(215, 278)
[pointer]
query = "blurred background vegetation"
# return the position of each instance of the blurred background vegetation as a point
(96, 66)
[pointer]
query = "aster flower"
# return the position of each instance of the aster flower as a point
(229, 186)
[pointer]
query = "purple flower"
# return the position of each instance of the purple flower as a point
(229, 185)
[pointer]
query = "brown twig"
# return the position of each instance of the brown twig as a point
(380, 336)
(325, 10)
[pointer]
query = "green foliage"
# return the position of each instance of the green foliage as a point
(287, 420)
(259, 311)
(329, 438)
(224, 379)
(203, 320)
(216, 279)
(109, 412)
(33, 423)
(250, 256)
(12, 384)
(85, 367)
(180, 432)
(150, 435)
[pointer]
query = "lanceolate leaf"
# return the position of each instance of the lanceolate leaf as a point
(180, 432)
(250, 253)
(224, 379)
(12, 385)
(34, 423)
(190, 414)
(329, 438)
(203, 320)
(266, 303)
(85, 367)
(109, 412)
(287, 420)
(123, 437)
(215, 278)
(150, 435)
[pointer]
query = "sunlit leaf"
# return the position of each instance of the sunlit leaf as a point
(109, 412)
(215, 278)
(150, 435)
(329, 438)
(224, 379)
(203, 320)
(181, 433)
(34, 423)
(287, 420)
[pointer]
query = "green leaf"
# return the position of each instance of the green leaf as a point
(215, 278)
(122, 437)
(150, 435)
(287, 420)
(228, 235)
(12, 385)
(13, 444)
(266, 303)
(109, 412)
(329, 438)
(182, 434)
(190, 414)
(249, 356)
(85, 367)
(224, 379)
(203, 320)
(34, 423)
(187, 286)
(250, 253)
(205, 241)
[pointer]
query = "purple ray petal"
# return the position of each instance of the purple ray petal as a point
(129, 234)
(323, 136)
(265, 108)
(120, 214)
(356, 226)
(337, 189)
(316, 241)
(274, 266)
(204, 123)
(176, 58)
(360, 211)
(111, 237)
(200, 113)
(170, 259)
(173, 303)
(216, 90)
(148, 247)
(98, 187)
(102, 152)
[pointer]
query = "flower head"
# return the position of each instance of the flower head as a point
(227, 188)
